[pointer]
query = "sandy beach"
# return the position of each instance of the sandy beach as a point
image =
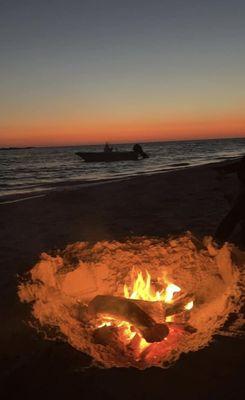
(192, 199)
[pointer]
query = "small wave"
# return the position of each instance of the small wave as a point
(21, 199)
(183, 164)
(55, 167)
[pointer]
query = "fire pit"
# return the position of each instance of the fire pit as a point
(138, 303)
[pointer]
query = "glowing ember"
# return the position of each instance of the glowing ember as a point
(169, 318)
(189, 305)
(142, 289)
(170, 290)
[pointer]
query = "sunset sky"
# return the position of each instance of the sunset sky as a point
(86, 71)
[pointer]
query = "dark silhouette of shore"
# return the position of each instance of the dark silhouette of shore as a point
(16, 148)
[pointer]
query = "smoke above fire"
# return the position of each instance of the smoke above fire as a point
(111, 300)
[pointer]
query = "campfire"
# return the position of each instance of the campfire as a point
(143, 315)
(138, 303)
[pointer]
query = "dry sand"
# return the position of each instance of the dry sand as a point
(192, 199)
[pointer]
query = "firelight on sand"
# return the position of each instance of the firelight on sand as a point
(137, 303)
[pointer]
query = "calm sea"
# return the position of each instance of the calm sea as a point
(39, 169)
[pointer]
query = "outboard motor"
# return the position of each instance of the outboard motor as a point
(139, 151)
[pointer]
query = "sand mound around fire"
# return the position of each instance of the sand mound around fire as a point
(59, 288)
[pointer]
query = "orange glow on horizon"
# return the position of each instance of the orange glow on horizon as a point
(69, 133)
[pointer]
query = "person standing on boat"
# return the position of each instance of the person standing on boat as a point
(108, 148)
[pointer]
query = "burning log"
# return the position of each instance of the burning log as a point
(179, 305)
(128, 310)
(106, 335)
(154, 309)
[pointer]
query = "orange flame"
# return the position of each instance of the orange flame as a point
(142, 290)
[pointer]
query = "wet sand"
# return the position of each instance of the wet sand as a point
(194, 199)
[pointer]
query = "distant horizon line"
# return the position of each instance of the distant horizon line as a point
(121, 142)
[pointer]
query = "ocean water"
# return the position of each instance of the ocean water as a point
(36, 170)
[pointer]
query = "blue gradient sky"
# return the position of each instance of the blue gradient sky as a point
(88, 71)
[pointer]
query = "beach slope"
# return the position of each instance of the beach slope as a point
(194, 199)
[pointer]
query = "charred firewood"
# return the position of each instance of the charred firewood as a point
(154, 309)
(155, 333)
(106, 335)
(185, 327)
(127, 310)
(178, 306)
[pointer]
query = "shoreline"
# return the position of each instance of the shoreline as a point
(192, 198)
(76, 185)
